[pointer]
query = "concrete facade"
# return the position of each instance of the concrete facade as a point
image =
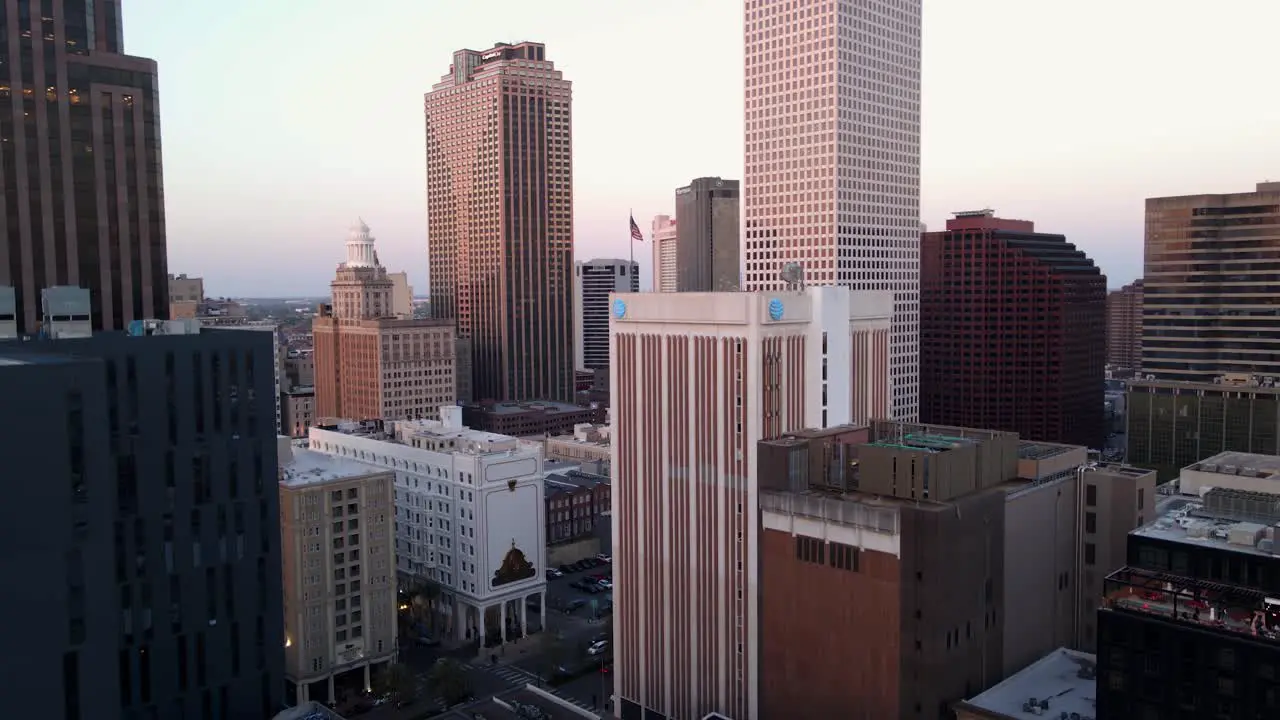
(593, 282)
(338, 570)
(148, 535)
(1124, 328)
(664, 238)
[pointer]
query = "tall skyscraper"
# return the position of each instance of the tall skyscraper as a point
(664, 240)
(1124, 327)
(593, 282)
(1209, 284)
(1012, 331)
(144, 557)
(697, 380)
(369, 363)
(708, 239)
(833, 156)
(500, 218)
(83, 201)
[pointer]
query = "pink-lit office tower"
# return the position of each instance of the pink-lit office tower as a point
(697, 380)
(832, 160)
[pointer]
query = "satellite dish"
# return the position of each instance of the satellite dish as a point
(793, 275)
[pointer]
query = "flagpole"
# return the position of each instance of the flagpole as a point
(631, 241)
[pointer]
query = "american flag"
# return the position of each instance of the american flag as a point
(635, 230)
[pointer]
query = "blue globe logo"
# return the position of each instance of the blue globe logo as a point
(619, 308)
(775, 309)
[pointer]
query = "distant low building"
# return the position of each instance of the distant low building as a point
(575, 501)
(1060, 684)
(535, 417)
(589, 441)
(299, 407)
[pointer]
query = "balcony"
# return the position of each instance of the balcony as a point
(1209, 605)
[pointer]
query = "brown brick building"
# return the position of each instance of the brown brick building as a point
(524, 419)
(910, 523)
(1124, 327)
(370, 365)
(575, 501)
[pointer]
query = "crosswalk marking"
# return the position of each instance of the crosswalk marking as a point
(520, 676)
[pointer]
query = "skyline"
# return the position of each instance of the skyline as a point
(319, 157)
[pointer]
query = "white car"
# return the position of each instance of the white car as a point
(604, 558)
(606, 583)
(598, 647)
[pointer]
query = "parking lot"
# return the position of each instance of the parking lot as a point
(565, 598)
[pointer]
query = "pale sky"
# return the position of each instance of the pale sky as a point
(284, 120)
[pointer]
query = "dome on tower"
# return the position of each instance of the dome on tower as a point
(360, 252)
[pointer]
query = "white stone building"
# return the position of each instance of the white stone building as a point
(469, 515)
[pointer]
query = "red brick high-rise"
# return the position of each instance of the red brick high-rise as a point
(500, 219)
(1013, 331)
(1124, 327)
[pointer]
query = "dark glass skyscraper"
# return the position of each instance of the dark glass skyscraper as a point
(81, 196)
(141, 544)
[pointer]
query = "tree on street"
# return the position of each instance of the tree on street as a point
(395, 680)
(448, 680)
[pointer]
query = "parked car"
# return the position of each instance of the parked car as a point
(554, 573)
(598, 647)
(606, 583)
(604, 558)
(574, 605)
(566, 568)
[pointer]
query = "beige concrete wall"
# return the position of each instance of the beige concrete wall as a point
(1039, 584)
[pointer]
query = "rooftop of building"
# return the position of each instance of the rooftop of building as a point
(1062, 684)
(1029, 450)
(396, 431)
(301, 390)
(307, 711)
(1228, 519)
(514, 408)
(508, 706)
(1227, 383)
(1240, 464)
(309, 467)
(926, 441)
(571, 480)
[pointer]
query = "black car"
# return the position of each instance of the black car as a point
(574, 605)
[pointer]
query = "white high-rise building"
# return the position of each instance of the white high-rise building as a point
(697, 380)
(664, 237)
(469, 515)
(832, 156)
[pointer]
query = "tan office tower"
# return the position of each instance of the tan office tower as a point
(1209, 286)
(500, 218)
(1124, 328)
(664, 253)
(337, 528)
(369, 364)
(833, 156)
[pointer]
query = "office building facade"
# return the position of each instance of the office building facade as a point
(1124, 328)
(500, 242)
(370, 364)
(1208, 283)
(707, 236)
(80, 168)
(832, 176)
(698, 379)
(339, 571)
(469, 517)
(149, 548)
(1011, 332)
(593, 282)
(664, 238)
(1170, 425)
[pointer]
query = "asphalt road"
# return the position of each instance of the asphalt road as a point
(565, 641)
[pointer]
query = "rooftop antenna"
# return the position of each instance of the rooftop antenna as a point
(792, 275)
